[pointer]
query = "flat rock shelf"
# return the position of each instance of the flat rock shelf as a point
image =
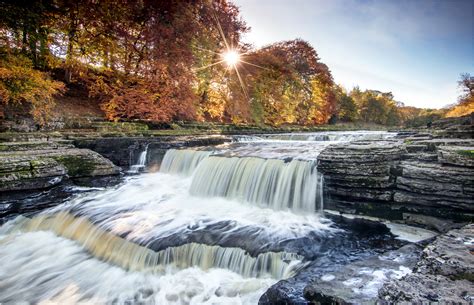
(360, 217)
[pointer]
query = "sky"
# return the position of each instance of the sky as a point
(414, 48)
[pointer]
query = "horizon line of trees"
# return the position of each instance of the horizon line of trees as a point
(156, 61)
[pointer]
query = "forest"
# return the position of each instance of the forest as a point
(162, 61)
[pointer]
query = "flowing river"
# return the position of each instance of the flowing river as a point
(214, 225)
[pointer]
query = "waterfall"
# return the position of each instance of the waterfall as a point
(318, 136)
(269, 182)
(182, 161)
(140, 166)
(321, 194)
(130, 256)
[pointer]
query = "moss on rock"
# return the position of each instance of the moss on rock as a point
(76, 166)
(466, 153)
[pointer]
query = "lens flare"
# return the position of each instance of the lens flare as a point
(231, 57)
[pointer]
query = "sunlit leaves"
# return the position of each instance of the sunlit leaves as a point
(20, 83)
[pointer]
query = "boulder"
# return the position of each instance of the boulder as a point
(446, 263)
(359, 282)
(34, 175)
(29, 172)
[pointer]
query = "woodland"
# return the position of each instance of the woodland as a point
(163, 61)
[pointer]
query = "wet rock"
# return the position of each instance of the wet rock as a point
(125, 151)
(432, 184)
(457, 155)
(38, 169)
(390, 179)
(29, 172)
(358, 240)
(445, 272)
(41, 165)
(359, 282)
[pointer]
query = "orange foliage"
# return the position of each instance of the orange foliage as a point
(20, 83)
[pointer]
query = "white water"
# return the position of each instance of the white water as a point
(182, 161)
(319, 136)
(130, 256)
(45, 269)
(273, 183)
(64, 258)
(158, 204)
(141, 164)
(68, 261)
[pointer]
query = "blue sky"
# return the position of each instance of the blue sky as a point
(413, 48)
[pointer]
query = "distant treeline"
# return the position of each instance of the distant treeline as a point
(162, 61)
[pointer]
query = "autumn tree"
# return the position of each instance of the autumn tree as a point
(465, 103)
(21, 83)
(287, 84)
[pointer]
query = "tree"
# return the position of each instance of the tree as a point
(465, 103)
(21, 83)
(346, 107)
(285, 83)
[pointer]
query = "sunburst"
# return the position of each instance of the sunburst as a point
(230, 56)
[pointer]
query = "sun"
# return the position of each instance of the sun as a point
(231, 57)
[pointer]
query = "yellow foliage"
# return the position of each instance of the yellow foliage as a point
(464, 108)
(19, 83)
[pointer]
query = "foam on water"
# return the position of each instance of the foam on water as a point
(56, 270)
(130, 256)
(159, 205)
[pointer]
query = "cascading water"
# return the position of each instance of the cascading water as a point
(274, 183)
(141, 164)
(182, 161)
(319, 136)
(183, 235)
(130, 256)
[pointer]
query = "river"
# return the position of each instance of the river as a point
(213, 225)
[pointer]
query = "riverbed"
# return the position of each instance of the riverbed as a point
(218, 224)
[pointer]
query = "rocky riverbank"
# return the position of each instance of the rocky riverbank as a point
(416, 179)
(28, 168)
(35, 167)
(444, 274)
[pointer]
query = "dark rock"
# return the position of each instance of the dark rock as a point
(444, 274)
(358, 282)
(388, 179)
(125, 151)
(36, 166)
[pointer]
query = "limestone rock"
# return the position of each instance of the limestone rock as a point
(29, 172)
(445, 273)
(388, 179)
(23, 169)
(457, 155)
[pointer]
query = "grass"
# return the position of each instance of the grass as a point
(466, 153)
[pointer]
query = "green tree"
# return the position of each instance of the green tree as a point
(346, 107)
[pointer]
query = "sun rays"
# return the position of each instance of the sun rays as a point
(232, 57)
